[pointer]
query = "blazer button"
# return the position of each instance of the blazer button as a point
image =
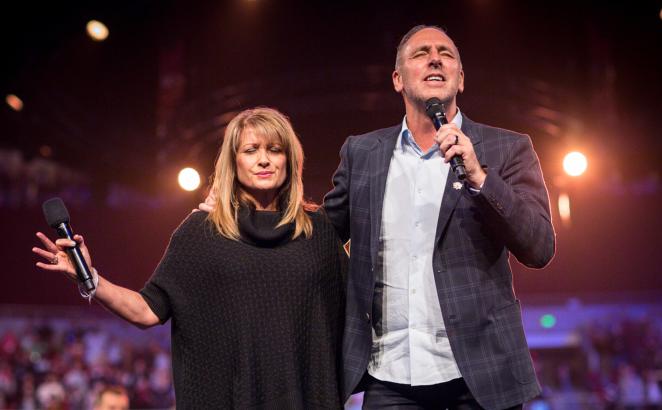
(367, 317)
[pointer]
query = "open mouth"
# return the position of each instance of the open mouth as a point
(435, 77)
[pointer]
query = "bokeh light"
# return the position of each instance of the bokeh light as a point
(189, 179)
(564, 208)
(97, 30)
(14, 102)
(548, 321)
(575, 163)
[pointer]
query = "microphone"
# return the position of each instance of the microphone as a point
(435, 110)
(57, 217)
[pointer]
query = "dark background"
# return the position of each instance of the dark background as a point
(108, 125)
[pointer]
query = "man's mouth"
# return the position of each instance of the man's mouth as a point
(435, 77)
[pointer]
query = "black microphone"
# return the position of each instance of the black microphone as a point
(435, 110)
(57, 217)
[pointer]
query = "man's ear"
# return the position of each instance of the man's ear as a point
(397, 81)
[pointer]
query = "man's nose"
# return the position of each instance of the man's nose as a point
(434, 59)
(435, 62)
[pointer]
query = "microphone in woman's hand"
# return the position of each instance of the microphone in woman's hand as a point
(57, 217)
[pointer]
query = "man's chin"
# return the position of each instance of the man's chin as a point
(422, 99)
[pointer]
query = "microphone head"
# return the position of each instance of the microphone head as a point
(55, 212)
(433, 106)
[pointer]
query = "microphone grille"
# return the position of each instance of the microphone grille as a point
(55, 212)
(433, 106)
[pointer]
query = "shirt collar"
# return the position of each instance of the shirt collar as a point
(406, 139)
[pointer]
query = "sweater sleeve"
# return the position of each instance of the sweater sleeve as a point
(163, 286)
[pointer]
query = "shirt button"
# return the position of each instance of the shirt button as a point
(413, 291)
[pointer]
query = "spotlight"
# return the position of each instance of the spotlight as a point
(97, 30)
(575, 163)
(14, 102)
(189, 179)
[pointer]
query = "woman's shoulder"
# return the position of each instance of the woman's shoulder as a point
(321, 221)
(195, 224)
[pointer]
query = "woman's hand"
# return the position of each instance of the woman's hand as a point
(56, 256)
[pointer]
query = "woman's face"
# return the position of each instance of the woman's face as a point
(261, 166)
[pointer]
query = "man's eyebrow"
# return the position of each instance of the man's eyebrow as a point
(427, 47)
(424, 47)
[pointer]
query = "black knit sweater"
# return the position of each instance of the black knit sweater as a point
(256, 323)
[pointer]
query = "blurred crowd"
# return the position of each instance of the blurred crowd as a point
(64, 364)
(617, 365)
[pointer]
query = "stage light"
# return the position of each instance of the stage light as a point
(575, 163)
(189, 179)
(97, 30)
(14, 102)
(548, 321)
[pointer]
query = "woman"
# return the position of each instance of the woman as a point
(254, 288)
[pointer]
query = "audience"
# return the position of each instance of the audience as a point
(105, 364)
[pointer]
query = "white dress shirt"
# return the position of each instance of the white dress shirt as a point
(410, 344)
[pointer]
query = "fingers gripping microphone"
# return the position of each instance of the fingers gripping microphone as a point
(57, 217)
(435, 110)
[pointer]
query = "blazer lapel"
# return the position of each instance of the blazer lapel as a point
(380, 160)
(454, 187)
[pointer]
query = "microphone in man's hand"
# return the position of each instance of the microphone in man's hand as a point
(57, 217)
(435, 110)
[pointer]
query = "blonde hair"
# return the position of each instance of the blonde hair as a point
(227, 190)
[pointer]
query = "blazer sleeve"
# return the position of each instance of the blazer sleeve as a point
(516, 204)
(336, 202)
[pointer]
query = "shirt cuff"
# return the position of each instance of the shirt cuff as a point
(473, 191)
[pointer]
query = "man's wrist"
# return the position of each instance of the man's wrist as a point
(477, 181)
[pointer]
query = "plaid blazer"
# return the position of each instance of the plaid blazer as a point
(474, 237)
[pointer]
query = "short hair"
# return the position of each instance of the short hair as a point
(274, 125)
(408, 35)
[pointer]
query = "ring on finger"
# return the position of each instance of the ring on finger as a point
(55, 260)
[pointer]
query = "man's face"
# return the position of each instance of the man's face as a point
(429, 67)
(113, 401)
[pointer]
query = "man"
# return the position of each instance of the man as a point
(431, 319)
(112, 398)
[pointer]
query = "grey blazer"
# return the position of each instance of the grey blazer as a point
(474, 237)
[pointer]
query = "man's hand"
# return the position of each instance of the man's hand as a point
(452, 141)
(208, 205)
